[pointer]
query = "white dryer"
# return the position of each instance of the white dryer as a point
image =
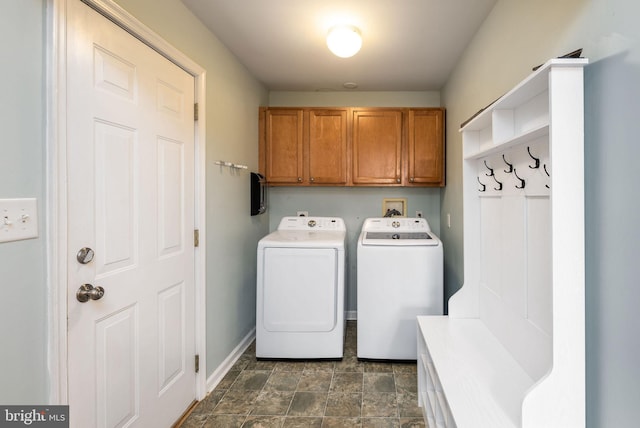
(400, 276)
(300, 289)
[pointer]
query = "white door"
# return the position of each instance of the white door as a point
(130, 160)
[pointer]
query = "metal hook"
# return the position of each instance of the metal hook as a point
(499, 184)
(548, 175)
(537, 161)
(521, 186)
(508, 164)
(484, 186)
(490, 170)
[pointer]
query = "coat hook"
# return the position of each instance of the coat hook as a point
(521, 186)
(548, 175)
(508, 164)
(484, 186)
(499, 184)
(537, 161)
(490, 174)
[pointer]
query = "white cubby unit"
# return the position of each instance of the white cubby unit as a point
(510, 353)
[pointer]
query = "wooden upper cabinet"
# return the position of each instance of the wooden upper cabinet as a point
(426, 147)
(377, 147)
(283, 145)
(327, 146)
(352, 146)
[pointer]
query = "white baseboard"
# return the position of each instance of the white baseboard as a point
(351, 315)
(219, 373)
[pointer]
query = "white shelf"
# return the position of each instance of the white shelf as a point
(502, 146)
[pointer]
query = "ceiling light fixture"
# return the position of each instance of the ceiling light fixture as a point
(344, 40)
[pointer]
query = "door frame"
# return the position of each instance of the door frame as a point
(56, 191)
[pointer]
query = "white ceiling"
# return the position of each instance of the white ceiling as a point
(408, 45)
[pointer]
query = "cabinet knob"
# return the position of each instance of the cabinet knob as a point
(397, 180)
(299, 179)
(411, 179)
(312, 179)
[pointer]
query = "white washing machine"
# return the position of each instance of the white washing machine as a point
(300, 289)
(400, 276)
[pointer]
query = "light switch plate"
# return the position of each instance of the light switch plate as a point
(18, 219)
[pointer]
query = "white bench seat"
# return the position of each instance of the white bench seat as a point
(460, 361)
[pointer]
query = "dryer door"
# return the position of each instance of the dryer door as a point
(300, 289)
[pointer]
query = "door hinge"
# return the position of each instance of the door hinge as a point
(195, 111)
(196, 238)
(197, 363)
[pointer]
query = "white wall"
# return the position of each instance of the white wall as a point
(353, 204)
(23, 292)
(516, 36)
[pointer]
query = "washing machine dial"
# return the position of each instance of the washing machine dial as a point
(396, 224)
(311, 223)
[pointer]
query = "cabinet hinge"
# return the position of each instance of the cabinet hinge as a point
(196, 238)
(195, 111)
(197, 363)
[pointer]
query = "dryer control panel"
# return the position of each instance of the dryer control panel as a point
(312, 223)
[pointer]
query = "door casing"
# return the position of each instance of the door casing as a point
(56, 196)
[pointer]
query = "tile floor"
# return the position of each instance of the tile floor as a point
(322, 394)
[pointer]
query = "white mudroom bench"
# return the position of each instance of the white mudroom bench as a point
(510, 353)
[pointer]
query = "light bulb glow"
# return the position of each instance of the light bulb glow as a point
(344, 41)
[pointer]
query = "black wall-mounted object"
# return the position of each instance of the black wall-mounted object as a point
(258, 194)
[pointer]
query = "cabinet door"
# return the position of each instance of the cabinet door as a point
(426, 147)
(377, 146)
(327, 146)
(284, 145)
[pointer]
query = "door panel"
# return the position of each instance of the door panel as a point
(130, 156)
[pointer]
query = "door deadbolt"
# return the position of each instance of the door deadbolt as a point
(88, 291)
(85, 255)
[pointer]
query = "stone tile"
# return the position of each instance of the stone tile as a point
(380, 423)
(308, 404)
(261, 365)
(251, 380)
(380, 404)
(236, 402)
(406, 382)
(263, 422)
(337, 422)
(405, 367)
(226, 421)
(302, 422)
(346, 382)
(242, 362)
(319, 366)
(272, 403)
(375, 366)
(289, 366)
(412, 423)
(195, 420)
(228, 379)
(379, 382)
(408, 405)
(315, 381)
(344, 404)
(210, 402)
(349, 364)
(283, 381)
